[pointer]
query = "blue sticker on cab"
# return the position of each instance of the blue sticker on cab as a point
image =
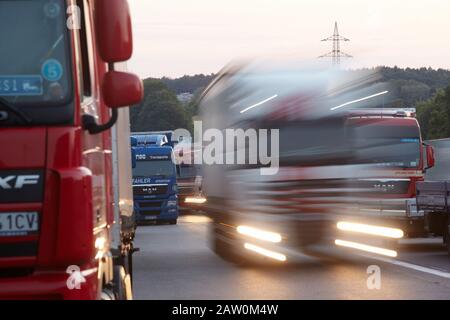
(21, 85)
(52, 70)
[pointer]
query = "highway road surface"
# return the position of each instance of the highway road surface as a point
(175, 262)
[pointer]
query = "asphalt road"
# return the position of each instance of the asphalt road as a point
(175, 263)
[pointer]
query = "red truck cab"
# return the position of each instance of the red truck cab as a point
(390, 142)
(59, 94)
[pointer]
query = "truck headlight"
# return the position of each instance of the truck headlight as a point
(172, 203)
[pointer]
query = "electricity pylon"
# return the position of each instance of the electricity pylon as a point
(336, 54)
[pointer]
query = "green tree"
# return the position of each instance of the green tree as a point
(434, 115)
(160, 110)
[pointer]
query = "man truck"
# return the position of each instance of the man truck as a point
(66, 218)
(390, 141)
(155, 189)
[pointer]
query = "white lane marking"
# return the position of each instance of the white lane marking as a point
(415, 267)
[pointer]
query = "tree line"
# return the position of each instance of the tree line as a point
(426, 89)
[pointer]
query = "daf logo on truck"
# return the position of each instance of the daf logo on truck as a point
(21, 186)
(18, 182)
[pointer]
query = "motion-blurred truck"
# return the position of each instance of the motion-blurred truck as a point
(345, 179)
(66, 217)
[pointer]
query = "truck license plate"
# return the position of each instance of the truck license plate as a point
(18, 223)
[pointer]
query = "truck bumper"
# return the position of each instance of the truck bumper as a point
(50, 285)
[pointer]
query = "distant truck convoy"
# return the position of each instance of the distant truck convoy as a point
(155, 189)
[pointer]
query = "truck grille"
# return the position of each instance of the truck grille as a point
(150, 189)
(153, 204)
(152, 208)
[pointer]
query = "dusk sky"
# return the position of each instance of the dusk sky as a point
(177, 37)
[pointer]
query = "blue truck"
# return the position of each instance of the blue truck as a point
(155, 189)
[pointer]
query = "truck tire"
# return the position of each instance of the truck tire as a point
(174, 221)
(221, 248)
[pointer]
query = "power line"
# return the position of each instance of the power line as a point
(336, 54)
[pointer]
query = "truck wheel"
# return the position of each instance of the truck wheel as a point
(221, 248)
(174, 221)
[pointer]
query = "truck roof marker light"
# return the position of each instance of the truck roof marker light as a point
(259, 103)
(366, 248)
(369, 229)
(198, 200)
(259, 234)
(267, 253)
(359, 100)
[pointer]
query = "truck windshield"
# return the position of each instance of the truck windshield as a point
(154, 168)
(34, 64)
(390, 146)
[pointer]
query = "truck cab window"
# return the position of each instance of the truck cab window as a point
(35, 65)
(85, 48)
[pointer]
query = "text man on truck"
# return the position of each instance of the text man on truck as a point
(155, 187)
(66, 226)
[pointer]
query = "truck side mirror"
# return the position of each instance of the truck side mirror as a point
(430, 156)
(121, 89)
(113, 28)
